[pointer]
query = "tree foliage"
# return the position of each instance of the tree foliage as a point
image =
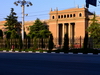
(11, 20)
(38, 29)
(66, 43)
(13, 34)
(20, 43)
(1, 34)
(35, 46)
(94, 29)
(51, 44)
(8, 34)
(85, 44)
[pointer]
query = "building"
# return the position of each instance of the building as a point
(73, 21)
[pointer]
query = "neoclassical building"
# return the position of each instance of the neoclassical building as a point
(73, 21)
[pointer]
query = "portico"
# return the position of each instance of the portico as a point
(64, 28)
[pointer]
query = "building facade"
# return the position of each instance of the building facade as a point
(73, 21)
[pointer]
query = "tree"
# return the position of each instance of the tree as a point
(20, 43)
(38, 29)
(25, 36)
(1, 34)
(44, 33)
(85, 41)
(8, 34)
(7, 44)
(35, 44)
(66, 43)
(51, 44)
(11, 21)
(13, 34)
(94, 30)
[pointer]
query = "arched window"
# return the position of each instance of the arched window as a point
(61, 16)
(53, 17)
(64, 16)
(67, 16)
(74, 15)
(58, 16)
(70, 15)
(80, 14)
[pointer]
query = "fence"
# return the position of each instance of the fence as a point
(43, 43)
(26, 44)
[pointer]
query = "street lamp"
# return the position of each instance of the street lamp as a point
(23, 3)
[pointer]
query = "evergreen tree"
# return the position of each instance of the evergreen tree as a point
(94, 30)
(8, 43)
(13, 34)
(35, 45)
(11, 20)
(25, 36)
(8, 34)
(51, 44)
(85, 41)
(39, 30)
(1, 34)
(20, 43)
(66, 43)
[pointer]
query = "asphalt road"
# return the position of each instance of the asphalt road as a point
(49, 64)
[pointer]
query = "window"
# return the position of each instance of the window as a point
(73, 15)
(67, 16)
(70, 15)
(61, 16)
(58, 16)
(64, 16)
(53, 17)
(80, 15)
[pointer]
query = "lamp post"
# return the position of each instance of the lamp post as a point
(23, 3)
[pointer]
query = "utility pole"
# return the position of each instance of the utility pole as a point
(23, 3)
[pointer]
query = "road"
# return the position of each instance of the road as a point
(49, 64)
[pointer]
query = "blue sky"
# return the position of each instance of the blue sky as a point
(41, 8)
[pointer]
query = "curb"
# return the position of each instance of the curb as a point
(50, 52)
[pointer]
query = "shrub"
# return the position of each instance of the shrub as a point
(51, 44)
(66, 43)
(85, 41)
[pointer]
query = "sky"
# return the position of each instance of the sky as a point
(41, 8)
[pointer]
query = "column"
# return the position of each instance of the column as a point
(69, 25)
(66, 28)
(63, 32)
(57, 34)
(69, 29)
(72, 34)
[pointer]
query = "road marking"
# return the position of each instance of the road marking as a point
(80, 53)
(61, 52)
(44, 52)
(52, 52)
(29, 51)
(90, 53)
(70, 53)
(4, 51)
